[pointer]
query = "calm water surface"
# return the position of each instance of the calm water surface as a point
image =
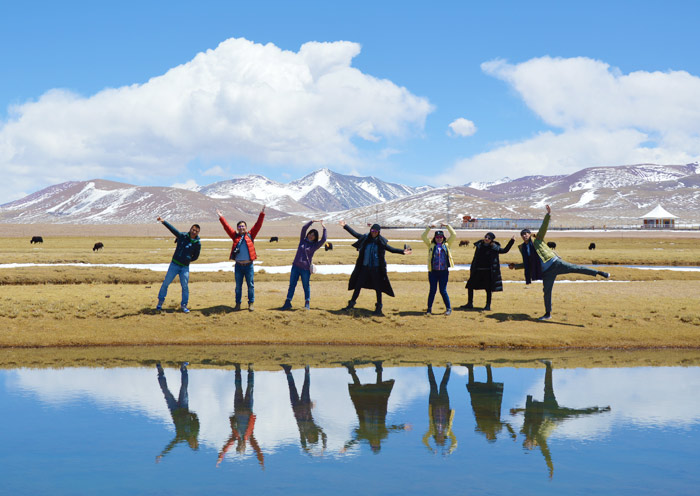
(351, 430)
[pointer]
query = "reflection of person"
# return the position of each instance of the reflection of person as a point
(301, 267)
(186, 422)
(371, 402)
(542, 417)
(486, 398)
(243, 253)
(370, 267)
(243, 419)
(540, 262)
(485, 269)
(186, 251)
(439, 263)
(440, 414)
(309, 432)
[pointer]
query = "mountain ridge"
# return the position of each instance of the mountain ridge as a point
(590, 196)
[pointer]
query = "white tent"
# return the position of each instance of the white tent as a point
(658, 218)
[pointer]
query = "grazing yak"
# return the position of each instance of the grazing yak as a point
(328, 246)
(98, 246)
(591, 246)
(36, 239)
(274, 239)
(464, 242)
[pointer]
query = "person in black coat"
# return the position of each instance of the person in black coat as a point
(485, 270)
(370, 267)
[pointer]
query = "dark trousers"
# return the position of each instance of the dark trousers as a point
(438, 277)
(369, 274)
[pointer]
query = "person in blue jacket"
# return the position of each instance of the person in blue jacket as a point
(187, 250)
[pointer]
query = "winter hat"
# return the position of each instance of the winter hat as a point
(491, 236)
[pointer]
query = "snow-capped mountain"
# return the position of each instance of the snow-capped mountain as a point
(108, 202)
(593, 196)
(596, 196)
(322, 190)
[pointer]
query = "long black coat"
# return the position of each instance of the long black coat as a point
(485, 270)
(382, 248)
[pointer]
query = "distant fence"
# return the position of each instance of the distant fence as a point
(638, 227)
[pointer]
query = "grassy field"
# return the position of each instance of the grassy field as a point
(97, 306)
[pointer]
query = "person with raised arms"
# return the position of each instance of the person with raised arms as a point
(370, 267)
(301, 267)
(540, 262)
(243, 254)
(187, 250)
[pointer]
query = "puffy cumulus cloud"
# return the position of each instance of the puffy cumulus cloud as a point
(190, 184)
(461, 127)
(216, 171)
(241, 99)
(599, 115)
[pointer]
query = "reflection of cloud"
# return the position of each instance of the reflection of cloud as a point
(211, 395)
(647, 397)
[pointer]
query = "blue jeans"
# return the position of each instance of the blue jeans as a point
(560, 267)
(440, 277)
(305, 275)
(240, 272)
(176, 270)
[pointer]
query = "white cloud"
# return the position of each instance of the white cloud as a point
(217, 171)
(242, 99)
(599, 116)
(190, 184)
(462, 127)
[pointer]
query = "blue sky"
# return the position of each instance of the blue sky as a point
(163, 93)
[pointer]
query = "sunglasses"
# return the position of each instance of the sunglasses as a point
(373, 230)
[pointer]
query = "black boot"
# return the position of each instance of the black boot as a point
(378, 310)
(351, 305)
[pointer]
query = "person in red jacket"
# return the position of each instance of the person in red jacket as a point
(243, 253)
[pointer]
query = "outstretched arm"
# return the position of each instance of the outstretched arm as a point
(350, 229)
(545, 224)
(170, 227)
(424, 236)
(225, 225)
(453, 234)
(507, 248)
(258, 223)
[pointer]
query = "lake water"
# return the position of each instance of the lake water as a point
(530, 429)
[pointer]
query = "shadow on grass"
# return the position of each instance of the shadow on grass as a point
(523, 317)
(355, 312)
(411, 313)
(215, 310)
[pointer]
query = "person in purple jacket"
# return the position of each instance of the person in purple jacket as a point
(301, 267)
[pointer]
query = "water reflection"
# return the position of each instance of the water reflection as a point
(243, 419)
(186, 422)
(486, 398)
(440, 414)
(309, 432)
(370, 402)
(542, 417)
(336, 424)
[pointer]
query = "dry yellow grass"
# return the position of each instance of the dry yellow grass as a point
(97, 306)
(648, 314)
